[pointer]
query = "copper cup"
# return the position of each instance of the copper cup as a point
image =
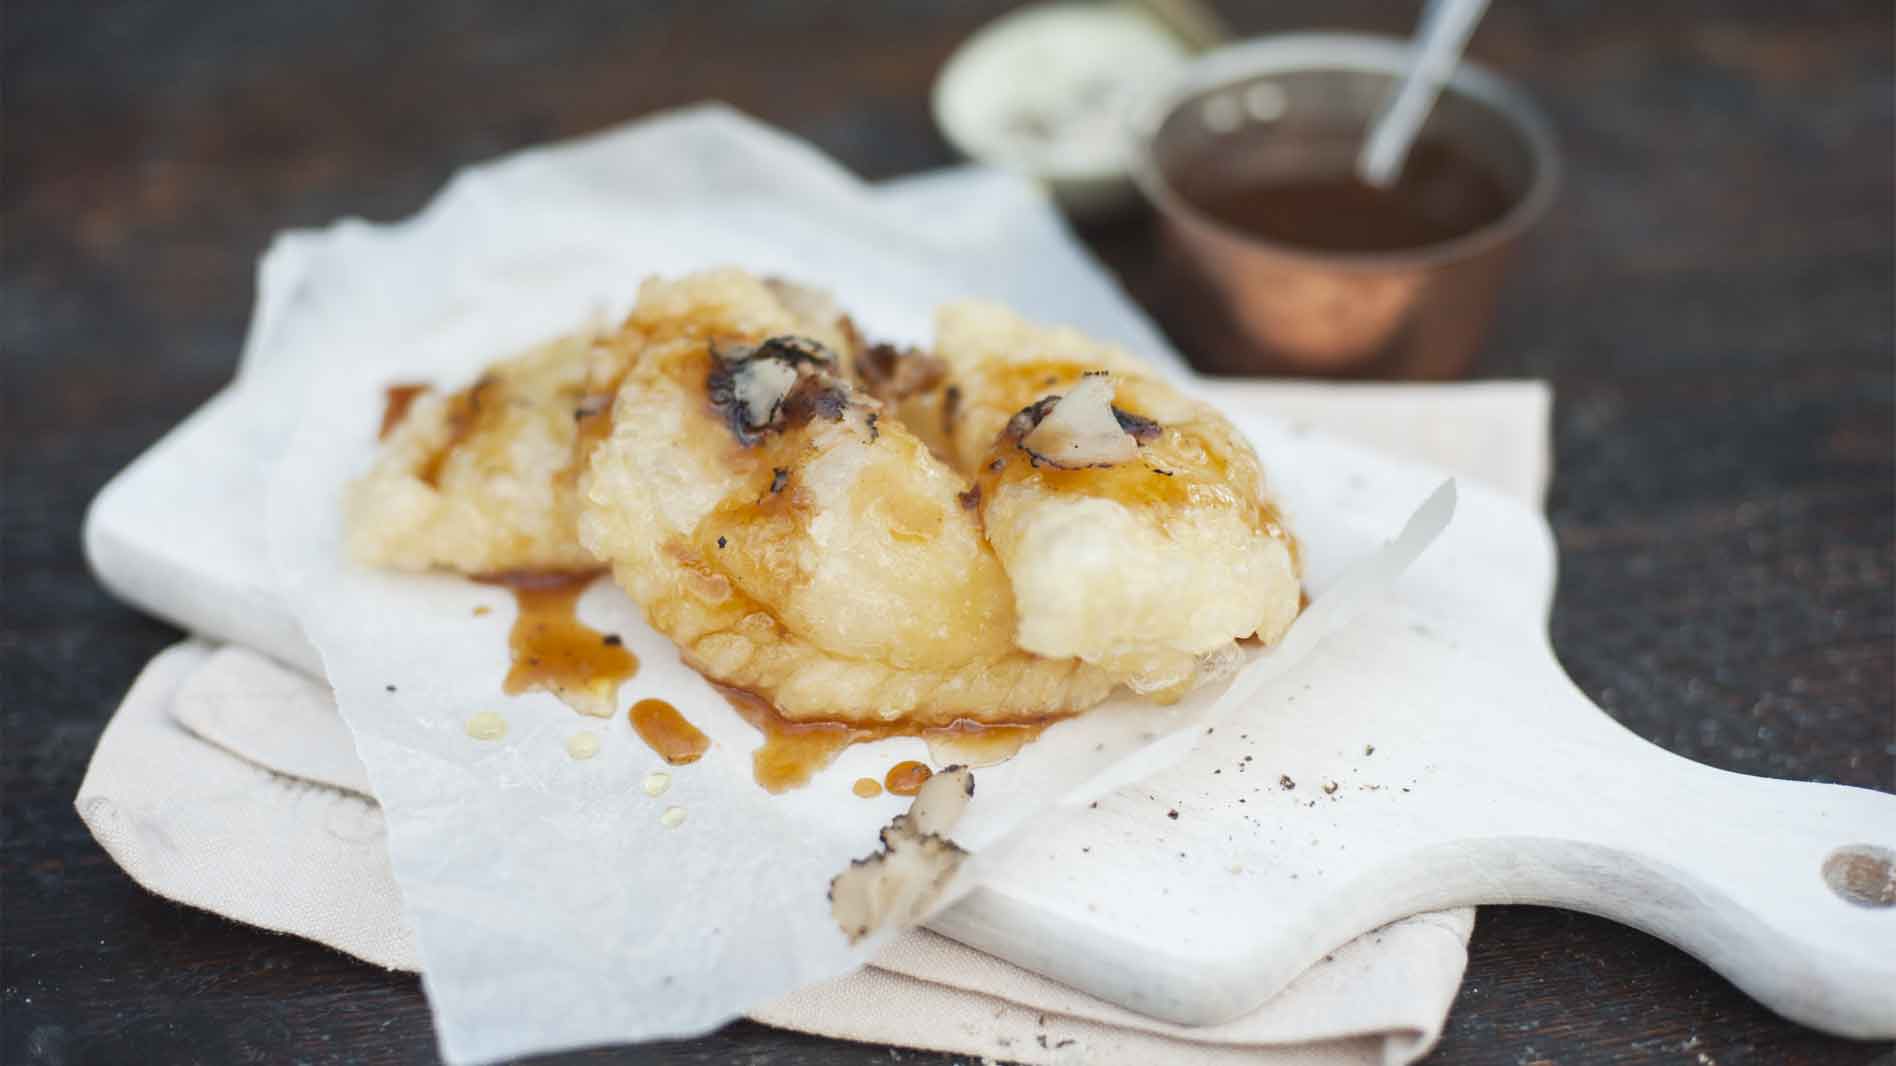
(1277, 104)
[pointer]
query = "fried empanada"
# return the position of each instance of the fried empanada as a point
(1001, 530)
(1131, 519)
(485, 480)
(793, 539)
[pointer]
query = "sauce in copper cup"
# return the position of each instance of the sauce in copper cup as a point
(1249, 158)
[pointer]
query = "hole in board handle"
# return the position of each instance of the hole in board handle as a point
(1863, 874)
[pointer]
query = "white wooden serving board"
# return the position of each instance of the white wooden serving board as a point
(1484, 776)
(1512, 788)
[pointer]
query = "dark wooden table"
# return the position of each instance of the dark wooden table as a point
(1712, 299)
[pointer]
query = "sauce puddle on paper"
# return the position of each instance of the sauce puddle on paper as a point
(666, 732)
(970, 744)
(592, 415)
(866, 787)
(906, 778)
(794, 752)
(553, 651)
(465, 411)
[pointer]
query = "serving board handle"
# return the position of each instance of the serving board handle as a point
(1513, 788)
(1786, 888)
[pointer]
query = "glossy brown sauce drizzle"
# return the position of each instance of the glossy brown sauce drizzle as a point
(554, 651)
(592, 420)
(666, 732)
(464, 414)
(906, 778)
(1146, 484)
(794, 752)
(968, 743)
(396, 400)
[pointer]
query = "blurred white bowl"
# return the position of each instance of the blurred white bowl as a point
(1045, 92)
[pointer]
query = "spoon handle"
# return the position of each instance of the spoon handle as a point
(1446, 27)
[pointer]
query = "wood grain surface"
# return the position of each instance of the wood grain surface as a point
(1713, 298)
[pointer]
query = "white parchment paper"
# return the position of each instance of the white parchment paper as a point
(552, 907)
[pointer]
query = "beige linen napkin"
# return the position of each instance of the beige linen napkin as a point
(184, 795)
(227, 781)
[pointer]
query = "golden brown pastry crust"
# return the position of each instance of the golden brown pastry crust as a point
(485, 479)
(825, 564)
(1151, 568)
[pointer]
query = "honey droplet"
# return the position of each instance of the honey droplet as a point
(657, 782)
(672, 818)
(487, 725)
(907, 778)
(662, 728)
(482, 611)
(866, 787)
(582, 745)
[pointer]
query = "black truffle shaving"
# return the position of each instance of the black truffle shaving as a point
(892, 374)
(816, 393)
(811, 397)
(1141, 429)
(1027, 418)
(900, 883)
(967, 785)
(1138, 427)
(792, 349)
(1025, 421)
(721, 388)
